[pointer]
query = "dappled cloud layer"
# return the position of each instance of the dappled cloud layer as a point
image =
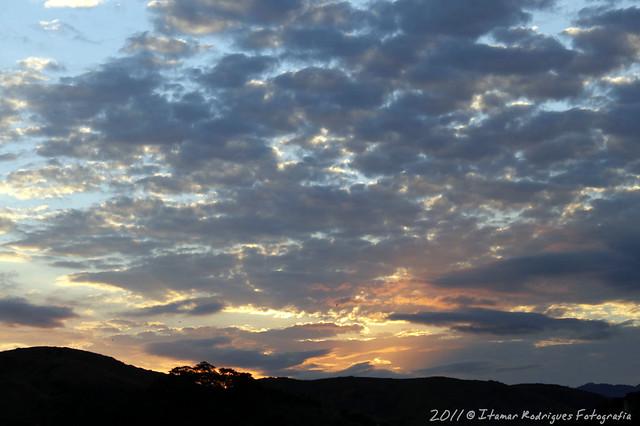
(303, 188)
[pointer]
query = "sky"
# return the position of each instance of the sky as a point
(317, 188)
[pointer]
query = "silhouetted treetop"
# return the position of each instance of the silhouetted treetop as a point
(208, 375)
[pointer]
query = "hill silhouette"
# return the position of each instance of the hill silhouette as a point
(610, 391)
(61, 386)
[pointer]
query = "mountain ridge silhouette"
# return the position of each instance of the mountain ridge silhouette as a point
(56, 386)
(609, 390)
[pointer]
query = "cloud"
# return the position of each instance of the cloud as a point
(50, 181)
(521, 360)
(272, 351)
(606, 37)
(462, 17)
(212, 351)
(8, 157)
(313, 331)
(614, 265)
(486, 321)
(9, 115)
(170, 47)
(39, 64)
(205, 16)
(518, 271)
(343, 160)
(157, 275)
(235, 70)
(196, 307)
(63, 28)
(52, 25)
(83, 4)
(20, 312)
(463, 300)
(6, 225)
(7, 281)
(617, 19)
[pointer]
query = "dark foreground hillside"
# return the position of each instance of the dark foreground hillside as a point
(59, 386)
(409, 401)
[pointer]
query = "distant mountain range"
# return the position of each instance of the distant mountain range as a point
(610, 391)
(61, 386)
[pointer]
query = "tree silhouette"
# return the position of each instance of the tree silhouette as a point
(208, 375)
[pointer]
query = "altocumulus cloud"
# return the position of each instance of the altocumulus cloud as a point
(391, 145)
(346, 161)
